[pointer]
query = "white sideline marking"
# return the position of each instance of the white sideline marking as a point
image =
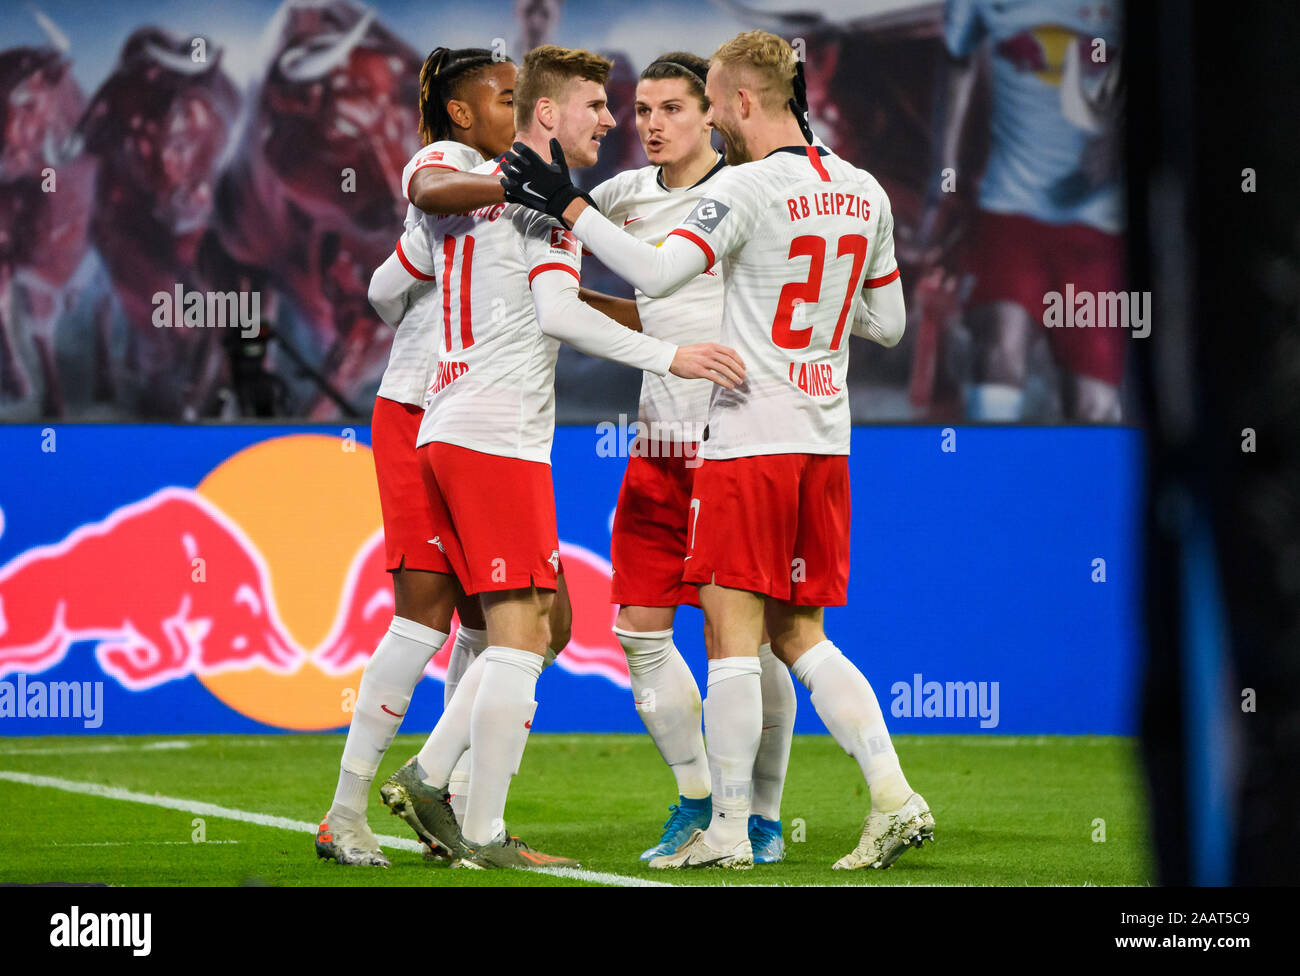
(284, 823)
(103, 747)
(167, 744)
(142, 843)
(621, 880)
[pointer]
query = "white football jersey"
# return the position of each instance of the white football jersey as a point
(411, 358)
(798, 234)
(673, 409)
(493, 389)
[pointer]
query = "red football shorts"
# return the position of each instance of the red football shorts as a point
(408, 522)
(648, 542)
(775, 524)
(495, 517)
(1019, 259)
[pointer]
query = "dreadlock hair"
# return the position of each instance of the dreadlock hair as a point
(680, 64)
(441, 79)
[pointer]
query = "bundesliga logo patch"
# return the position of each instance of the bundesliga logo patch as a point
(563, 240)
(708, 215)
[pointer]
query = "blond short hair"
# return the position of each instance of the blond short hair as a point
(768, 60)
(547, 70)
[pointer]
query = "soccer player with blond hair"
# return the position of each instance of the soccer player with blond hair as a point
(649, 535)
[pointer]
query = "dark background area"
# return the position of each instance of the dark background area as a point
(1223, 527)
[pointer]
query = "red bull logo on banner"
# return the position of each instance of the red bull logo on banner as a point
(265, 581)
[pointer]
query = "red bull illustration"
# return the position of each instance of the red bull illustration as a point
(155, 615)
(265, 582)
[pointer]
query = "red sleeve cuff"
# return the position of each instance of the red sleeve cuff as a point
(553, 266)
(410, 268)
(882, 280)
(699, 242)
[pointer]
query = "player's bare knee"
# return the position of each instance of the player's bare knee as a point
(470, 612)
(545, 606)
(786, 648)
(792, 630)
(644, 620)
(560, 623)
(423, 597)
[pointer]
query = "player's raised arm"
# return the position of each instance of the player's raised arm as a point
(655, 271)
(436, 180)
(564, 316)
(554, 257)
(441, 191)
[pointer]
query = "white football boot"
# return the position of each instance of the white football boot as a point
(696, 853)
(349, 841)
(886, 836)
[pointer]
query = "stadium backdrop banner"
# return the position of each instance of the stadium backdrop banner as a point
(173, 165)
(202, 579)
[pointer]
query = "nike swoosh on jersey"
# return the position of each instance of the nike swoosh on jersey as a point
(631, 220)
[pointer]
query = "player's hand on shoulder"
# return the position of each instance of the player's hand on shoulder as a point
(531, 181)
(709, 361)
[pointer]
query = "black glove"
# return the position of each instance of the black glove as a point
(799, 104)
(537, 184)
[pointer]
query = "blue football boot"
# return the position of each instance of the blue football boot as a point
(684, 817)
(766, 840)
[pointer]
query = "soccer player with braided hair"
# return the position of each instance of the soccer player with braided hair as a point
(466, 117)
(510, 279)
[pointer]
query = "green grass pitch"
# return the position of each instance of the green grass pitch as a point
(1010, 811)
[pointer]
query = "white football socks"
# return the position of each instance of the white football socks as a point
(502, 715)
(387, 684)
(458, 782)
(733, 723)
(844, 700)
(450, 737)
(668, 701)
(470, 643)
(778, 729)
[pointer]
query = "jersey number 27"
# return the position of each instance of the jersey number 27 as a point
(809, 290)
